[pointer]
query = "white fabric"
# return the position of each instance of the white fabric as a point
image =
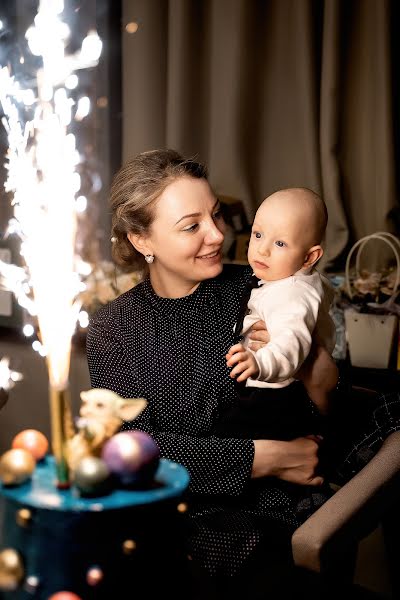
(295, 310)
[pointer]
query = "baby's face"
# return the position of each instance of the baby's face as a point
(279, 241)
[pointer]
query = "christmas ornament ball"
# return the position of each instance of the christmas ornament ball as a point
(32, 440)
(94, 576)
(92, 476)
(16, 466)
(132, 456)
(11, 569)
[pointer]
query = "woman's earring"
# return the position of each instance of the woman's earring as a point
(149, 258)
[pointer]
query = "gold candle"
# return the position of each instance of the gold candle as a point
(61, 432)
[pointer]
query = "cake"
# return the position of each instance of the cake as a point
(115, 546)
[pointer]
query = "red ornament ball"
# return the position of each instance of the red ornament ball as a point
(64, 596)
(132, 456)
(32, 440)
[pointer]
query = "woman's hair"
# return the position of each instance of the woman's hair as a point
(134, 191)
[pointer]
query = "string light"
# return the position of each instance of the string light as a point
(131, 27)
(8, 377)
(28, 330)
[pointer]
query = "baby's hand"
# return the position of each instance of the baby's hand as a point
(243, 363)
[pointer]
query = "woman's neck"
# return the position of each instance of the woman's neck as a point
(170, 286)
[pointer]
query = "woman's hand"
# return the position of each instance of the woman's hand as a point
(295, 461)
(259, 336)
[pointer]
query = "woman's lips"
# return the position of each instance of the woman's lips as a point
(210, 256)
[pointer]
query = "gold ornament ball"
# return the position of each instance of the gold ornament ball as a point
(11, 569)
(94, 576)
(24, 517)
(182, 507)
(129, 546)
(16, 466)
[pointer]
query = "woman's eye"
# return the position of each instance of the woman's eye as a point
(280, 244)
(191, 227)
(218, 214)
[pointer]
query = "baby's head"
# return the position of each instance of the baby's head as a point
(287, 233)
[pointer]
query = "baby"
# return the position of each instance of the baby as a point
(293, 300)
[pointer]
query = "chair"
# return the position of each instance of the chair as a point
(325, 546)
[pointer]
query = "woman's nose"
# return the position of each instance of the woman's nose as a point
(214, 234)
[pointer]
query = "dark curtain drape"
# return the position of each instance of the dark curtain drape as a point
(272, 94)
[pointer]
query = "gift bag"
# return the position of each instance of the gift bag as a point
(371, 337)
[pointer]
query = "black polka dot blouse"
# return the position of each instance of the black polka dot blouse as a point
(172, 352)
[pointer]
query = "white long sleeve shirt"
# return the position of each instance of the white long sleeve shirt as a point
(295, 310)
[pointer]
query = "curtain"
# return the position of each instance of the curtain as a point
(272, 94)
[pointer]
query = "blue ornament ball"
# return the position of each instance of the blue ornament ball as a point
(132, 456)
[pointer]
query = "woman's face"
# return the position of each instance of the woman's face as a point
(185, 237)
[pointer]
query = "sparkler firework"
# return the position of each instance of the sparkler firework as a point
(43, 177)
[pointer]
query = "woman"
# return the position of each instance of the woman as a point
(166, 340)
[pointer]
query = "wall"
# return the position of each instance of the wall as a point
(27, 407)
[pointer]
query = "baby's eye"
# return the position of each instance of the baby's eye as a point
(191, 227)
(280, 244)
(257, 234)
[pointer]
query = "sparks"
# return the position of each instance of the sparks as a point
(42, 175)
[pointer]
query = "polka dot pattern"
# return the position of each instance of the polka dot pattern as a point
(172, 352)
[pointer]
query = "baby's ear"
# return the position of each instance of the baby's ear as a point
(312, 257)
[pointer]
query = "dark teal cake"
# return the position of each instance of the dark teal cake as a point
(116, 546)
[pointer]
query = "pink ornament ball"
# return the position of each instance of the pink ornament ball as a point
(64, 596)
(132, 456)
(32, 440)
